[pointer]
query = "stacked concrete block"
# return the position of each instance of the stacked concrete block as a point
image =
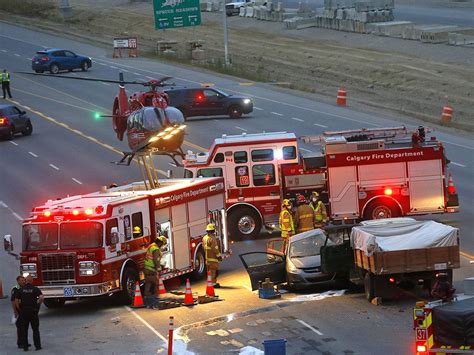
(461, 37)
(437, 34)
(242, 11)
(249, 11)
(390, 29)
(210, 6)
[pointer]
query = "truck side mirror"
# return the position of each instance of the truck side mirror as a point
(114, 235)
(8, 243)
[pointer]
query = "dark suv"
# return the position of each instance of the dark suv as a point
(12, 121)
(54, 60)
(208, 102)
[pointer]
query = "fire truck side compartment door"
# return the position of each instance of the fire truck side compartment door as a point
(163, 227)
(426, 185)
(181, 252)
(343, 191)
(261, 265)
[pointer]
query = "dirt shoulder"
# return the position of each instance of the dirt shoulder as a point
(405, 77)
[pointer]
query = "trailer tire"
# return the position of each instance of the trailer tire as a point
(382, 208)
(199, 271)
(54, 302)
(369, 286)
(244, 223)
(128, 282)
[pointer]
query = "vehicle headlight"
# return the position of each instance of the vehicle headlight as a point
(29, 269)
(247, 101)
(88, 268)
(290, 266)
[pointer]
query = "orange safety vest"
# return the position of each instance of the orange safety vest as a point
(287, 226)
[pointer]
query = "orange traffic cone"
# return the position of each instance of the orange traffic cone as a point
(447, 114)
(138, 299)
(210, 286)
(341, 97)
(188, 297)
(451, 187)
(161, 287)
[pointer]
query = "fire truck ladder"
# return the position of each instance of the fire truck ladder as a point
(365, 133)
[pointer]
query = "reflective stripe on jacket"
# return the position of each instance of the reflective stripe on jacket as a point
(287, 226)
(319, 212)
(211, 248)
(5, 77)
(304, 218)
(152, 258)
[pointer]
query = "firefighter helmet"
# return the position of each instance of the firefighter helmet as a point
(286, 203)
(211, 227)
(314, 194)
(137, 230)
(301, 198)
(162, 239)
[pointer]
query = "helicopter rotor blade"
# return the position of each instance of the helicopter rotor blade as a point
(144, 83)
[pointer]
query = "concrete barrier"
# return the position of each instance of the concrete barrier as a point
(242, 11)
(249, 12)
(437, 34)
(391, 29)
(461, 37)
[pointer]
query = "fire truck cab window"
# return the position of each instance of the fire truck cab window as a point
(188, 174)
(262, 155)
(137, 221)
(81, 235)
(209, 172)
(108, 227)
(219, 158)
(289, 153)
(263, 174)
(240, 157)
(242, 177)
(40, 236)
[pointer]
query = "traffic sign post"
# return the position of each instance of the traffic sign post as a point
(176, 13)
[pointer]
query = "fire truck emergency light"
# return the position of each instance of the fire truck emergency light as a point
(421, 348)
(388, 192)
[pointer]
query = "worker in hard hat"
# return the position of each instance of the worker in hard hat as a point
(287, 226)
(304, 215)
(152, 268)
(212, 253)
(320, 213)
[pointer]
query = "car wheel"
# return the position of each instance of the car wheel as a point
(28, 129)
(54, 69)
(235, 112)
(38, 71)
(11, 134)
(84, 66)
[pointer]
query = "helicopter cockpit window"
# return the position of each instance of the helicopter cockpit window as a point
(151, 122)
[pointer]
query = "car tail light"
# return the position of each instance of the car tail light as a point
(392, 280)
(45, 59)
(4, 121)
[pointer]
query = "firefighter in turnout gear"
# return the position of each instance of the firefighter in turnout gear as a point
(287, 225)
(304, 215)
(320, 214)
(152, 268)
(213, 253)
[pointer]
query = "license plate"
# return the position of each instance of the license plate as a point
(441, 266)
(68, 292)
(36, 62)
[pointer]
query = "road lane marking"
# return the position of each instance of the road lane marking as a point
(467, 255)
(54, 166)
(306, 150)
(297, 119)
(243, 129)
(276, 113)
(147, 324)
(113, 67)
(258, 108)
(310, 327)
(76, 181)
(100, 63)
(124, 70)
(3, 204)
(458, 145)
(17, 216)
(17, 55)
(105, 83)
(136, 74)
(320, 125)
(457, 164)
(33, 154)
(4, 50)
(13, 143)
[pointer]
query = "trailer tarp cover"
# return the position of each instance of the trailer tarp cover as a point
(402, 235)
(453, 323)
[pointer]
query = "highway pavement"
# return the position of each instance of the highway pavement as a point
(70, 152)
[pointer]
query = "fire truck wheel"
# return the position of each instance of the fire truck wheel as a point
(379, 209)
(369, 286)
(199, 266)
(244, 223)
(54, 302)
(129, 280)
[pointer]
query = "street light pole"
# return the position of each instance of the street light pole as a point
(226, 49)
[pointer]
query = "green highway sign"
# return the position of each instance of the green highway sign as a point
(176, 13)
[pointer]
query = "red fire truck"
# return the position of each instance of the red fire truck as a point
(360, 174)
(83, 246)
